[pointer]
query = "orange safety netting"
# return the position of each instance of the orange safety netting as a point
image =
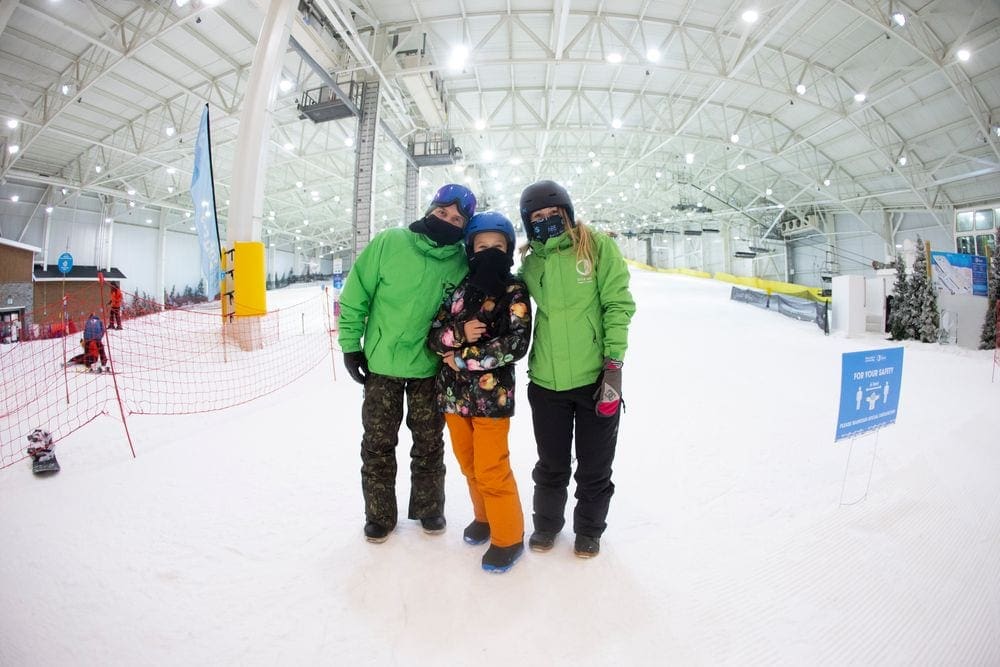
(163, 361)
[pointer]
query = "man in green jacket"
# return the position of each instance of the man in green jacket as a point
(390, 297)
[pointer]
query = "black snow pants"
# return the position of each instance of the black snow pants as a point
(555, 415)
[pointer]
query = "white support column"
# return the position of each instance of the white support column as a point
(364, 168)
(45, 241)
(161, 257)
(108, 245)
(412, 193)
(250, 159)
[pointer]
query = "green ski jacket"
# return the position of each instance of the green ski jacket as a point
(392, 293)
(582, 312)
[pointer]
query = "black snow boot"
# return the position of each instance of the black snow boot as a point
(476, 532)
(587, 546)
(500, 559)
(376, 533)
(541, 540)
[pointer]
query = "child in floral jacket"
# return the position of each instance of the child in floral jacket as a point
(481, 329)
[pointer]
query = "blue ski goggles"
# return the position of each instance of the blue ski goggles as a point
(459, 195)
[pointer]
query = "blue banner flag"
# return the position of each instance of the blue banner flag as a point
(869, 390)
(203, 198)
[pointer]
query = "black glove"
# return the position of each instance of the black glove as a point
(609, 389)
(356, 365)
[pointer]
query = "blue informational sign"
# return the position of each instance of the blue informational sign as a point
(65, 263)
(338, 280)
(959, 273)
(869, 390)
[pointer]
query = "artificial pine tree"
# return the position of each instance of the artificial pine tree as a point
(987, 341)
(926, 321)
(899, 314)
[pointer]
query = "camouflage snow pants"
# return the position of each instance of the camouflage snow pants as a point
(381, 415)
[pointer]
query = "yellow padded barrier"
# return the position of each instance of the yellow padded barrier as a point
(249, 279)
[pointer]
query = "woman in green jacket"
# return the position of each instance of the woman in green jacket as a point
(579, 282)
(391, 295)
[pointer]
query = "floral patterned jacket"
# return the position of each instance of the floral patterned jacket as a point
(485, 386)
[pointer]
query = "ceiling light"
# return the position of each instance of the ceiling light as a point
(387, 166)
(488, 155)
(181, 3)
(348, 141)
(611, 174)
(285, 85)
(902, 160)
(614, 57)
(750, 16)
(65, 191)
(13, 148)
(963, 55)
(170, 131)
(767, 192)
(480, 124)
(15, 198)
(131, 204)
(653, 55)
(689, 158)
(49, 209)
(109, 220)
(800, 89)
(187, 214)
(515, 161)
(12, 124)
(899, 19)
(711, 188)
(591, 155)
(459, 55)
(298, 184)
(98, 168)
(741, 167)
(735, 138)
(826, 182)
(131, 191)
(171, 170)
(65, 89)
(659, 174)
(636, 185)
(170, 189)
(149, 221)
(860, 97)
(616, 123)
(288, 146)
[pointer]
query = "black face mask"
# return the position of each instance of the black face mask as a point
(437, 230)
(489, 270)
(546, 228)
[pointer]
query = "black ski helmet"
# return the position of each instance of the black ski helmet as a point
(544, 194)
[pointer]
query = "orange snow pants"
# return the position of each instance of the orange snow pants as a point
(480, 445)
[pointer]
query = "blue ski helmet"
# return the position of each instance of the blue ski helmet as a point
(456, 194)
(544, 194)
(490, 221)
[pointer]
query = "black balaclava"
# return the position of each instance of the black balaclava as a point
(546, 228)
(489, 270)
(441, 232)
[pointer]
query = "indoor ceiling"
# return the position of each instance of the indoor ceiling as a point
(752, 108)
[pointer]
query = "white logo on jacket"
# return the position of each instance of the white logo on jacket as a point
(585, 270)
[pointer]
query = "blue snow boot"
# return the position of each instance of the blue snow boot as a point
(500, 559)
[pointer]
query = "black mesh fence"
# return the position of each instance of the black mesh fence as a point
(790, 306)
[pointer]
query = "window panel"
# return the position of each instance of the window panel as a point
(966, 244)
(984, 241)
(963, 221)
(984, 219)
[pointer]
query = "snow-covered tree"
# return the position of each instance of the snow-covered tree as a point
(926, 322)
(987, 341)
(900, 312)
